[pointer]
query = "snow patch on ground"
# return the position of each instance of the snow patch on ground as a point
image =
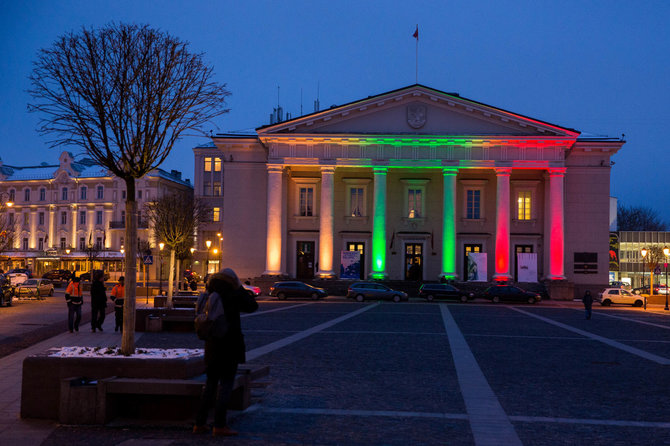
(114, 351)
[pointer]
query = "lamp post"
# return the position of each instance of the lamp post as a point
(644, 252)
(123, 258)
(161, 245)
(666, 253)
(208, 243)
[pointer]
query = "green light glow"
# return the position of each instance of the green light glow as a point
(379, 224)
(449, 223)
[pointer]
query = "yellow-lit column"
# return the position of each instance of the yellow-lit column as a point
(273, 260)
(52, 224)
(73, 235)
(326, 222)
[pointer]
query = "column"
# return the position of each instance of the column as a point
(51, 242)
(379, 224)
(449, 222)
(107, 239)
(326, 222)
(273, 259)
(73, 235)
(556, 225)
(502, 252)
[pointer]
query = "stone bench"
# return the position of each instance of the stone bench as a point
(164, 319)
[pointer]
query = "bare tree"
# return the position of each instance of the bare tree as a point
(175, 218)
(652, 261)
(92, 250)
(639, 218)
(7, 228)
(124, 94)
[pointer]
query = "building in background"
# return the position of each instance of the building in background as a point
(71, 215)
(415, 180)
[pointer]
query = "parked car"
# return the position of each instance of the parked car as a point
(502, 293)
(610, 296)
(370, 290)
(87, 276)
(58, 276)
(282, 290)
(191, 276)
(253, 290)
(430, 291)
(25, 271)
(645, 290)
(36, 288)
(16, 278)
(6, 291)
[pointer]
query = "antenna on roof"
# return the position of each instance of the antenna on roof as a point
(277, 114)
(316, 103)
(300, 101)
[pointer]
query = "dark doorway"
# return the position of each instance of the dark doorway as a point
(467, 249)
(413, 261)
(305, 260)
(520, 249)
(360, 247)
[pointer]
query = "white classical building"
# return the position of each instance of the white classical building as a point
(60, 209)
(416, 181)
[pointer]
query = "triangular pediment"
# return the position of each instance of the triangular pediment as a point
(417, 110)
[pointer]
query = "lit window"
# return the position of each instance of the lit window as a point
(306, 201)
(208, 164)
(473, 197)
(356, 201)
(83, 192)
(524, 205)
(26, 195)
(414, 203)
(63, 195)
(216, 214)
(101, 193)
(217, 164)
(217, 189)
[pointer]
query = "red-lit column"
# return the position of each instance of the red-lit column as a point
(502, 263)
(273, 260)
(556, 225)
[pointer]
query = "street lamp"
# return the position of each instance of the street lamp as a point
(123, 259)
(644, 252)
(161, 245)
(666, 253)
(208, 243)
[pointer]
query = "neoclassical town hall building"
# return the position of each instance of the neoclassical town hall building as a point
(416, 180)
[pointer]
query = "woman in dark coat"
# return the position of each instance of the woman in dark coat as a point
(98, 300)
(587, 300)
(222, 356)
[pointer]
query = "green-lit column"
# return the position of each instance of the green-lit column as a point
(449, 222)
(379, 225)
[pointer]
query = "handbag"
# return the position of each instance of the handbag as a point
(208, 329)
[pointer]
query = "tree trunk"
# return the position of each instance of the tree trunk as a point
(179, 276)
(171, 278)
(128, 336)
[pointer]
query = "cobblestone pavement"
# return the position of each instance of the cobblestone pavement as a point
(344, 373)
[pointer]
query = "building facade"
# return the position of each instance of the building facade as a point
(416, 181)
(70, 214)
(627, 263)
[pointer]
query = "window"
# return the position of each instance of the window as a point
(356, 201)
(62, 243)
(208, 164)
(24, 243)
(83, 192)
(123, 194)
(123, 217)
(414, 203)
(473, 204)
(12, 195)
(217, 189)
(98, 243)
(40, 218)
(63, 194)
(43, 194)
(26, 195)
(586, 263)
(82, 217)
(101, 193)
(98, 217)
(63, 218)
(306, 202)
(217, 164)
(139, 194)
(40, 244)
(26, 219)
(216, 214)
(206, 188)
(523, 202)
(11, 219)
(82, 243)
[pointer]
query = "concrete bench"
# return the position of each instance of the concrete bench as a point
(167, 399)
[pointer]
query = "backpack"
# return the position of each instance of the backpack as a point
(209, 329)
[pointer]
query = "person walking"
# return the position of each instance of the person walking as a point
(98, 300)
(74, 299)
(117, 295)
(225, 297)
(587, 300)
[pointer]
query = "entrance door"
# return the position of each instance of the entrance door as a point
(304, 260)
(360, 247)
(467, 249)
(520, 249)
(413, 261)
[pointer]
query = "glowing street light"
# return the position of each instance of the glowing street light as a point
(208, 243)
(666, 253)
(644, 252)
(161, 245)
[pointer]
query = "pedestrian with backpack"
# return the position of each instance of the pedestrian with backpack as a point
(74, 299)
(222, 303)
(118, 295)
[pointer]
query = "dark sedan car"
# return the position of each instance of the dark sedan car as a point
(282, 290)
(57, 276)
(430, 291)
(369, 290)
(502, 293)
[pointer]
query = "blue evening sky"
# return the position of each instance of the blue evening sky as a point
(601, 67)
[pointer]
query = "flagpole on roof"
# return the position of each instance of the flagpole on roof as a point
(416, 36)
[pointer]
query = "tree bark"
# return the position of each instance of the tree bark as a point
(128, 336)
(171, 278)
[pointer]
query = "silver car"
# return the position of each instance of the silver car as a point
(35, 288)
